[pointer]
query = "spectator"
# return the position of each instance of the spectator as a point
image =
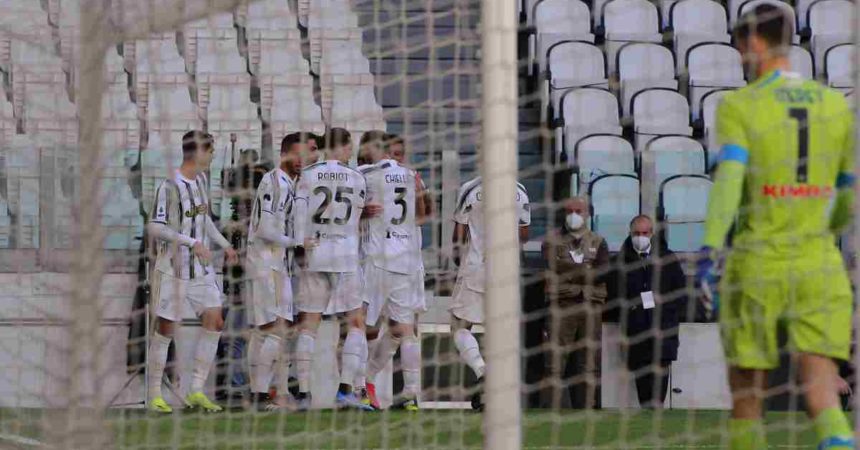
(577, 260)
(648, 285)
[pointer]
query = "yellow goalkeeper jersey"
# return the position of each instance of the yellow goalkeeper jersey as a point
(789, 141)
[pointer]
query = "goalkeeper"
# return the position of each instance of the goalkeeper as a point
(786, 153)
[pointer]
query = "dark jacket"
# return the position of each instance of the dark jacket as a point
(568, 280)
(652, 333)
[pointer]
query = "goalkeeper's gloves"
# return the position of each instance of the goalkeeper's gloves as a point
(707, 280)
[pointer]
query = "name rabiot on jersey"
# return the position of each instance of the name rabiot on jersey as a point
(275, 197)
(390, 241)
(329, 199)
(182, 204)
(470, 212)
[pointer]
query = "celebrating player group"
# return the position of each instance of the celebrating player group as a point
(324, 239)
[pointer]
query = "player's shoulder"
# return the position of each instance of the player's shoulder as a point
(347, 168)
(470, 185)
(314, 167)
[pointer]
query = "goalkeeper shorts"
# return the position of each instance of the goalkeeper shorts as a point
(810, 296)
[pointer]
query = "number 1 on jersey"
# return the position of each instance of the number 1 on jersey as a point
(801, 115)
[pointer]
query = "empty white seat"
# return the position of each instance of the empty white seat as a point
(710, 102)
(642, 66)
(355, 108)
(665, 157)
(694, 22)
(597, 155)
(629, 21)
(121, 219)
(615, 201)
(710, 67)
(267, 15)
(801, 61)
(573, 64)
(166, 98)
(831, 22)
(116, 104)
(216, 56)
(683, 208)
(288, 103)
(40, 96)
(330, 20)
(749, 5)
(839, 66)
(275, 52)
(159, 54)
(22, 187)
(586, 111)
(657, 112)
(556, 21)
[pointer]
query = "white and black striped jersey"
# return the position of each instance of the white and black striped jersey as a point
(272, 207)
(183, 205)
(329, 201)
(470, 212)
(390, 242)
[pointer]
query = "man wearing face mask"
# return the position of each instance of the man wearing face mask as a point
(577, 261)
(647, 292)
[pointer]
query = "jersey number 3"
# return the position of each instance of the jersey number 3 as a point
(339, 197)
(801, 115)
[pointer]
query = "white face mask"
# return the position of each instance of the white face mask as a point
(574, 221)
(641, 243)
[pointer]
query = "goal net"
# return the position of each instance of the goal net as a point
(533, 97)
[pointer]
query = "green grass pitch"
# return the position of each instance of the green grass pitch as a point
(428, 429)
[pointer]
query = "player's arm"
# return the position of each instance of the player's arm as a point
(525, 216)
(300, 209)
(268, 227)
(165, 218)
(725, 197)
(422, 215)
(843, 205)
(460, 236)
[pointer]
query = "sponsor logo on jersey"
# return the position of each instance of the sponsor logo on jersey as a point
(200, 210)
(796, 191)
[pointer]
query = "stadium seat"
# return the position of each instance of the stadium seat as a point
(664, 157)
(121, 218)
(659, 111)
(266, 15)
(712, 66)
(709, 118)
(572, 64)
(629, 21)
(694, 22)
(682, 210)
(21, 20)
(839, 67)
(5, 224)
(585, 111)
(212, 42)
(642, 66)
(343, 65)
(801, 62)
(40, 95)
(355, 108)
(830, 23)
(158, 54)
(22, 187)
(555, 21)
(614, 202)
(288, 104)
(749, 5)
(597, 155)
(330, 20)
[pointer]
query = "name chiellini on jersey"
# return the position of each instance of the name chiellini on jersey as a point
(329, 199)
(470, 212)
(390, 239)
(183, 205)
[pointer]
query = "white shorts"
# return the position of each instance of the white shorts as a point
(329, 292)
(269, 295)
(467, 300)
(169, 292)
(392, 294)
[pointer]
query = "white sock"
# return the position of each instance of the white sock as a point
(254, 345)
(385, 350)
(410, 361)
(469, 351)
(204, 356)
(269, 350)
(361, 373)
(304, 354)
(354, 346)
(156, 360)
(282, 365)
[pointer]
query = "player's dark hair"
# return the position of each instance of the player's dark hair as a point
(394, 139)
(375, 136)
(766, 21)
(194, 139)
(336, 137)
(301, 137)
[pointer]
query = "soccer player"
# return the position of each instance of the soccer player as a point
(183, 228)
(329, 201)
(467, 306)
(270, 290)
(392, 268)
(786, 151)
